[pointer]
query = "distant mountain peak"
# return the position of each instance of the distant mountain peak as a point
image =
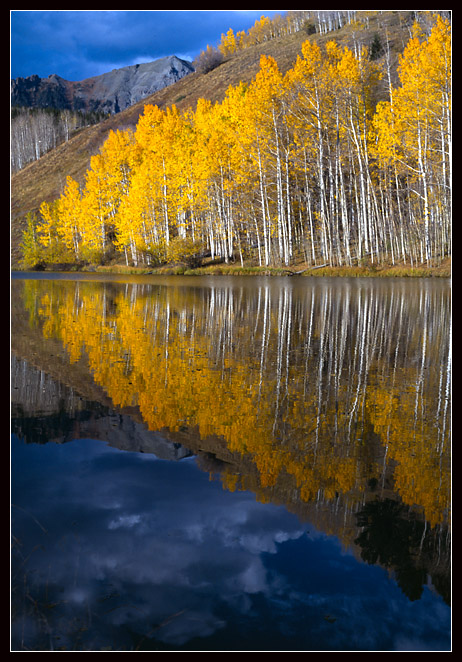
(110, 92)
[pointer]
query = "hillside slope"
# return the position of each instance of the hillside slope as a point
(44, 179)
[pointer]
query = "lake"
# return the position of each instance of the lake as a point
(230, 463)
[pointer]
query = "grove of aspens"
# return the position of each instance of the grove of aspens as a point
(317, 165)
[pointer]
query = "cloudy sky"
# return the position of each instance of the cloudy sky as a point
(79, 44)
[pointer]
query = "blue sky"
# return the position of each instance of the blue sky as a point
(79, 44)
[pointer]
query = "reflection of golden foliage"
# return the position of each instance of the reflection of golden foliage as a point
(422, 482)
(422, 473)
(185, 362)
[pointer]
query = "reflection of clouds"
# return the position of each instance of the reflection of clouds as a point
(127, 521)
(253, 579)
(143, 549)
(157, 532)
(198, 623)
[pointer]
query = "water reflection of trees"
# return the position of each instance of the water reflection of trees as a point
(323, 388)
(394, 537)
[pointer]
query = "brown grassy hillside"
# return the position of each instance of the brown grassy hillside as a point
(44, 179)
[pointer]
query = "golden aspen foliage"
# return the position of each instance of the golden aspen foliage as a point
(69, 217)
(47, 234)
(228, 44)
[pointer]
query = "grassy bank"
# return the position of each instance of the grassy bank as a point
(442, 270)
(398, 271)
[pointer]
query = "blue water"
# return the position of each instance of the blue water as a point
(114, 550)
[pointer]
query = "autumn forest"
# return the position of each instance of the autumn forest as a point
(308, 165)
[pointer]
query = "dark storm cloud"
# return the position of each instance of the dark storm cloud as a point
(80, 44)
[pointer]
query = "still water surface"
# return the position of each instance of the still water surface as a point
(226, 464)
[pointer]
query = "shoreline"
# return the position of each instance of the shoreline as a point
(371, 271)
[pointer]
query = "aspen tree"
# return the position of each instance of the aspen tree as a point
(97, 207)
(271, 146)
(69, 216)
(308, 108)
(217, 153)
(47, 230)
(228, 44)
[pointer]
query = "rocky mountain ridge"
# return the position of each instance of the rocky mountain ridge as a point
(111, 92)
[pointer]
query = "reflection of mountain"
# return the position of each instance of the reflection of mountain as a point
(322, 397)
(45, 411)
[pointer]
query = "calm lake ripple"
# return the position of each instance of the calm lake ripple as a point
(230, 463)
